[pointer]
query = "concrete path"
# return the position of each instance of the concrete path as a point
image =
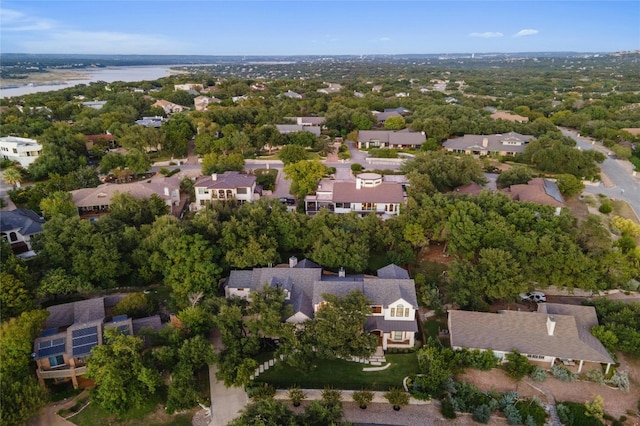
(48, 416)
(226, 403)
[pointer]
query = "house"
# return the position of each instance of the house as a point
(107, 138)
(73, 329)
(95, 201)
(94, 104)
(155, 121)
(169, 107)
(332, 88)
(23, 150)
(202, 102)
(392, 295)
(234, 186)
(187, 87)
(503, 115)
(555, 333)
(308, 121)
(371, 193)
(17, 227)
(292, 128)
(538, 190)
(400, 110)
(507, 145)
(398, 139)
(382, 117)
(291, 94)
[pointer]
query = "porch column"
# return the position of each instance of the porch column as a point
(606, 371)
(553, 360)
(580, 366)
(74, 378)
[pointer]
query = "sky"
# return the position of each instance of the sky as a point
(329, 27)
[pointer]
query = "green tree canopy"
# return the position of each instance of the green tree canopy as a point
(304, 176)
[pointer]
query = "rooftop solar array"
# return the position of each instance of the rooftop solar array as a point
(49, 332)
(48, 348)
(84, 339)
(119, 318)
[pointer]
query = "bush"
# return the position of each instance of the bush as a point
(397, 397)
(562, 374)
(296, 395)
(574, 414)
(513, 415)
(606, 207)
(447, 410)
(482, 414)
(532, 412)
(517, 366)
(262, 391)
(356, 167)
(331, 396)
(383, 153)
(363, 398)
(620, 379)
(538, 374)
(594, 375)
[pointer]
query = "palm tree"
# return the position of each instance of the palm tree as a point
(12, 176)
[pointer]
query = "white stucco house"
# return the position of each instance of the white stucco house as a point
(23, 150)
(227, 186)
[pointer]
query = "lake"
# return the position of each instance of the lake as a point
(109, 75)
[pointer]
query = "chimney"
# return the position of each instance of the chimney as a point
(341, 272)
(293, 261)
(551, 325)
(358, 183)
(485, 142)
(166, 191)
(214, 176)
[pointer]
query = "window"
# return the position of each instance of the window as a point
(406, 312)
(57, 360)
(376, 309)
(398, 335)
(393, 312)
(241, 289)
(242, 190)
(201, 191)
(400, 310)
(221, 193)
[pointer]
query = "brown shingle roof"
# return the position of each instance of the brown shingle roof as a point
(226, 180)
(386, 192)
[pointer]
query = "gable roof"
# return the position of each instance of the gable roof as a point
(392, 137)
(386, 192)
(291, 128)
(102, 194)
(526, 332)
(538, 190)
(393, 271)
(509, 142)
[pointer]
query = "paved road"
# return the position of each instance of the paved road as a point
(620, 172)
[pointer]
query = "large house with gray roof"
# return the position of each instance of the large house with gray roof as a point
(370, 193)
(555, 333)
(18, 226)
(73, 329)
(392, 295)
(396, 139)
(507, 145)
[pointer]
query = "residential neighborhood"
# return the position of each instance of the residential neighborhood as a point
(229, 243)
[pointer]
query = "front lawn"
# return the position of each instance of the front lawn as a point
(344, 375)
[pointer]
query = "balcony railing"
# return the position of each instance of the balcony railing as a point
(63, 373)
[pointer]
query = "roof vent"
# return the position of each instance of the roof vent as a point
(293, 261)
(341, 272)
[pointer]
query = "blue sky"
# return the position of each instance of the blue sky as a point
(211, 27)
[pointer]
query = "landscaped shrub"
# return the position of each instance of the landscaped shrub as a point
(620, 379)
(331, 396)
(508, 398)
(481, 360)
(517, 366)
(363, 398)
(513, 415)
(356, 167)
(573, 414)
(531, 411)
(595, 375)
(538, 374)
(482, 414)
(262, 391)
(383, 153)
(606, 207)
(397, 397)
(447, 409)
(562, 374)
(296, 395)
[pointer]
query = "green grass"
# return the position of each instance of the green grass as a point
(344, 375)
(431, 327)
(94, 415)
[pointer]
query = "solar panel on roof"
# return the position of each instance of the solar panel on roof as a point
(118, 318)
(79, 341)
(124, 329)
(49, 332)
(84, 332)
(84, 349)
(53, 350)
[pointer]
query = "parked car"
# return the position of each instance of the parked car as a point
(534, 296)
(288, 201)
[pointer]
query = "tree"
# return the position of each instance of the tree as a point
(135, 305)
(517, 366)
(58, 204)
(514, 176)
(290, 154)
(137, 211)
(338, 327)
(304, 176)
(397, 397)
(21, 394)
(122, 379)
(57, 282)
(220, 163)
(266, 412)
(595, 408)
(14, 296)
(137, 161)
(445, 171)
(394, 123)
(569, 185)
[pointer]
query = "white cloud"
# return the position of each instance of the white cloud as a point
(384, 39)
(488, 34)
(525, 32)
(13, 20)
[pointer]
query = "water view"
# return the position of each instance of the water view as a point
(109, 75)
